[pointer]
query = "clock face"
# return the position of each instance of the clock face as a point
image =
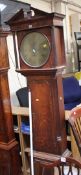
(35, 49)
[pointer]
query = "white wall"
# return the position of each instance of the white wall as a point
(16, 80)
(69, 8)
(44, 5)
(74, 11)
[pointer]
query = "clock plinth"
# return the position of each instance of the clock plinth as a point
(9, 150)
(44, 80)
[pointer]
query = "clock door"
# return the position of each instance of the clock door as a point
(47, 136)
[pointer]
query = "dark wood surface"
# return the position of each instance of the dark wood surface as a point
(48, 113)
(9, 150)
(45, 82)
(75, 123)
(58, 165)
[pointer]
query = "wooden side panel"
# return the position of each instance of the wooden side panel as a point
(6, 121)
(59, 46)
(61, 119)
(4, 62)
(9, 152)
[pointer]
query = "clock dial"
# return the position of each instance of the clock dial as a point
(35, 49)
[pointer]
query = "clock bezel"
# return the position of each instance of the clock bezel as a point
(49, 44)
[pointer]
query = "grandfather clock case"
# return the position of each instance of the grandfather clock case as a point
(40, 57)
(9, 150)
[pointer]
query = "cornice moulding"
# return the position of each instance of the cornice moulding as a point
(71, 2)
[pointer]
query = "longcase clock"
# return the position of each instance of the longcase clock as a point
(9, 150)
(40, 57)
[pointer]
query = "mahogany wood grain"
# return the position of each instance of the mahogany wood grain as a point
(9, 150)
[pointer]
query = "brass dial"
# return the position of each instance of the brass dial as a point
(35, 49)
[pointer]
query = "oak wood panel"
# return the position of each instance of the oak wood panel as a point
(9, 150)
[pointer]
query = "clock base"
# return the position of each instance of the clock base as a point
(9, 164)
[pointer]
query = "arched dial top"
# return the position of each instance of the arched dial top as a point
(35, 49)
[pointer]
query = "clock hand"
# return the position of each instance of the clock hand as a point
(34, 51)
